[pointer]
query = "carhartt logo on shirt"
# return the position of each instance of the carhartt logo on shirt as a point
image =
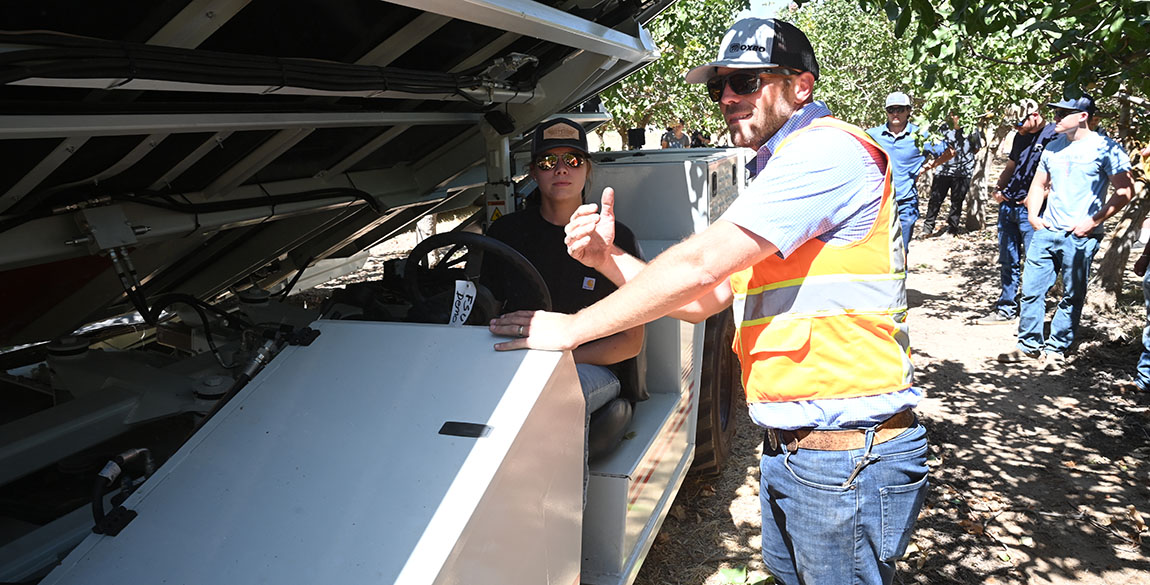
(588, 283)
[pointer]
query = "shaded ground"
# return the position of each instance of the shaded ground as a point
(1036, 477)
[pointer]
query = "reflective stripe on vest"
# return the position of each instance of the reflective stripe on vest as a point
(830, 320)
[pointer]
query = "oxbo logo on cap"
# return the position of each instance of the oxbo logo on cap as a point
(561, 132)
(735, 47)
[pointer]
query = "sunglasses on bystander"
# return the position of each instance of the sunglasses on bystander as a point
(548, 161)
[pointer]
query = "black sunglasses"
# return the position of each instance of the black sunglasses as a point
(1063, 112)
(547, 162)
(742, 83)
(897, 109)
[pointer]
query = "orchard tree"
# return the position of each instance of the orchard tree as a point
(1044, 49)
(687, 34)
(860, 58)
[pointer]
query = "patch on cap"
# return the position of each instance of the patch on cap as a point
(561, 132)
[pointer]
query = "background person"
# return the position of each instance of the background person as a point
(806, 256)
(955, 167)
(674, 137)
(1014, 229)
(1142, 375)
(701, 139)
(902, 141)
(1074, 174)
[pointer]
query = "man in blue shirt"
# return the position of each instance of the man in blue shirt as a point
(1014, 228)
(903, 141)
(1074, 174)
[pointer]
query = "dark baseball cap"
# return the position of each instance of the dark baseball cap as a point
(760, 43)
(558, 132)
(1078, 104)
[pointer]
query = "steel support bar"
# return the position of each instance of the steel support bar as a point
(484, 94)
(198, 20)
(540, 21)
(44, 168)
(53, 126)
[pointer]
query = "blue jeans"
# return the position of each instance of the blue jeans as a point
(600, 386)
(1142, 378)
(1053, 252)
(1014, 232)
(818, 531)
(907, 215)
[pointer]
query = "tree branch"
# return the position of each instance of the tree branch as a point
(1051, 61)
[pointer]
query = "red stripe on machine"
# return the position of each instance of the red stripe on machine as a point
(661, 449)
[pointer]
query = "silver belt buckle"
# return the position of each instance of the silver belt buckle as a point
(773, 439)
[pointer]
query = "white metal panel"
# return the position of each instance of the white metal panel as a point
(676, 183)
(540, 21)
(632, 489)
(330, 468)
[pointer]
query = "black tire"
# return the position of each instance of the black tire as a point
(719, 396)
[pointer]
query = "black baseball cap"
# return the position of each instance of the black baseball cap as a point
(1078, 104)
(760, 43)
(558, 132)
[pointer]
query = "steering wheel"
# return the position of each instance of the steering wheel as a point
(419, 275)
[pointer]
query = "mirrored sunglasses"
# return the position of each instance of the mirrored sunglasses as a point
(742, 83)
(548, 161)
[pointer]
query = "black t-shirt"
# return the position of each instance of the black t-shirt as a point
(1025, 152)
(573, 286)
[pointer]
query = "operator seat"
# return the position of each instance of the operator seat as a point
(609, 423)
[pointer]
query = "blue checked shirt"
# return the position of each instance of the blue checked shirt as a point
(823, 185)
(906, 157)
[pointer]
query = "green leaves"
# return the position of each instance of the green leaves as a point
(733, 576)
(970, 56)
(903, 22)
(688, 34)
(1070, 44)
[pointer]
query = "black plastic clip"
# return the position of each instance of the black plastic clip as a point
(115, 521)
(302, 336)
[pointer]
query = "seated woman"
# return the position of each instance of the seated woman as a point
(560, 167)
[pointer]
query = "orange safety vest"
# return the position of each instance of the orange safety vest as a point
(829, 321)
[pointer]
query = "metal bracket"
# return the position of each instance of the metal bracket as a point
(115, 521)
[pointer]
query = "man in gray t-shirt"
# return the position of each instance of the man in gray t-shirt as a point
(1074, 175)
(956, 165)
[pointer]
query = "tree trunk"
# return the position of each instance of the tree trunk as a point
(1112, 270)
(978, 199)
(1116, 253)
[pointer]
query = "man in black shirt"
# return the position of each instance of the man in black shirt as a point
(1014, 229)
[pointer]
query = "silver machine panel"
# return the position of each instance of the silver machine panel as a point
(663, 196)
(332, 466)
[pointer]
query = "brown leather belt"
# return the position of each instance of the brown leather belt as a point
(843, 440)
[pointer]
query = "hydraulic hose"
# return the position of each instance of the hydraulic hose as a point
(139, 461)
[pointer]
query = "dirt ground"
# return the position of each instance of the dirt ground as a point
(1036, 477)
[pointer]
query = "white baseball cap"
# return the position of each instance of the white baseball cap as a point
(760, 43)
(897, 98)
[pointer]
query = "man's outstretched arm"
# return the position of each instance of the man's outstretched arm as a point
(590, 240)
(682, 274)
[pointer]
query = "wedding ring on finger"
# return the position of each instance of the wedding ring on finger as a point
(520, 331)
